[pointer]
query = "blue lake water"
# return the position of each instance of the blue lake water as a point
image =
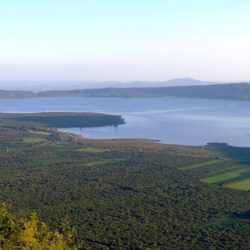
(170, 120)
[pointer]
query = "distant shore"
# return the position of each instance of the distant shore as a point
(65, 119)
(232, 91)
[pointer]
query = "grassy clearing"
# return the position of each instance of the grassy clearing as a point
(199, 165)
(224, 176)
(39, 132)
(95, 163)
(33, 140)
(243, 184)
(223, 221)
(92, 150)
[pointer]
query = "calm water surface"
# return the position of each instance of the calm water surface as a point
(170, 120)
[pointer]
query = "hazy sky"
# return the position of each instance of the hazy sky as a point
(124, 39)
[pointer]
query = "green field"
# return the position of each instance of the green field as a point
(224, 176)
(39, 132)
(199, 165)
(95, 163)
(33, 140)
(243, 184)
(92, 150)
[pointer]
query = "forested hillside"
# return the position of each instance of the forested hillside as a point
(128, 194)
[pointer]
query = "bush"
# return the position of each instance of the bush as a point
(30, 234)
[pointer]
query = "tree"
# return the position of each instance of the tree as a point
(30, 234)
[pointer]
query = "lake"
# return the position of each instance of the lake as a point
(170, 120)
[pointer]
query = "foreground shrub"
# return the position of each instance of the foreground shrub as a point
(30, 234)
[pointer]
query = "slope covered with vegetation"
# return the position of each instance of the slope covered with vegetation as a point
(127, 194)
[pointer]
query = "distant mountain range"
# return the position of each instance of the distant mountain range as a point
(236, 91)
(71, 85)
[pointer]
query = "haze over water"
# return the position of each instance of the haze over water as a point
(170, 120)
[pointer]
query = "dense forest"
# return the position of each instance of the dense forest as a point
(237, 91)
(127, 194)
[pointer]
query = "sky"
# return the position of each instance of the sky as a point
(124, 40)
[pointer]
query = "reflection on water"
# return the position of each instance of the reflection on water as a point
(170, 120)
